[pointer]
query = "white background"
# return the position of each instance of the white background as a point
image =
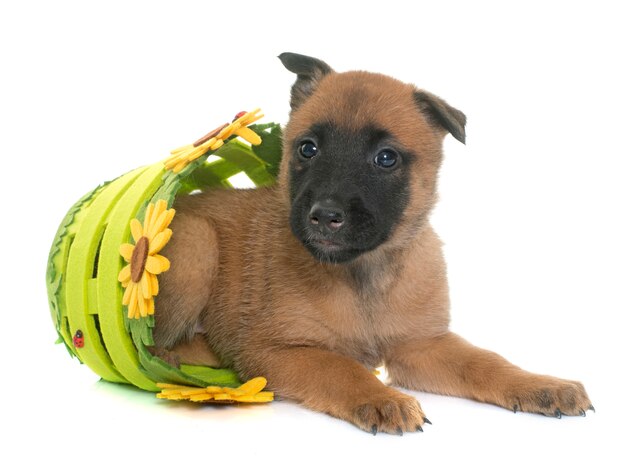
(532, 209)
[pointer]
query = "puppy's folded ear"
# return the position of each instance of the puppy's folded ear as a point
(310, 72)
(441, 114)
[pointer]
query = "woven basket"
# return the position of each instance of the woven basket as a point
(84, 290)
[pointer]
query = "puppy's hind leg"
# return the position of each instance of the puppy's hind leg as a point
(193, 352)
(185, 288)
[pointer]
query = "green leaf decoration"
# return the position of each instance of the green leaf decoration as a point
(213, 376)
(270, 149)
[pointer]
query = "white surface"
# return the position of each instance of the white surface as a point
(531, 210)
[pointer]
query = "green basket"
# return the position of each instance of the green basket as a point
(84, 293)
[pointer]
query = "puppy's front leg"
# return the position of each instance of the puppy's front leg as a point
(340, 386)
(450, 365)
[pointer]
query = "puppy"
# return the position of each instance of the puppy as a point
(335, 270)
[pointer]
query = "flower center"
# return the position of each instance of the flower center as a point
(138, 259)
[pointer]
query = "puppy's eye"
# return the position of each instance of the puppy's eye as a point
(307, 149)
(386, 158)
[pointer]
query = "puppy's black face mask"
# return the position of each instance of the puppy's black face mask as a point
(348, 190)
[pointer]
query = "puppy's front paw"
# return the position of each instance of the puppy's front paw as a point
(550, 396)
(390, 411)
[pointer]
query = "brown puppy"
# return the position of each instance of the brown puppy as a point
(336, 270)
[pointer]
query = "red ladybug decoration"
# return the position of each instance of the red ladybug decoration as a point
(79, 340)
(240, 114)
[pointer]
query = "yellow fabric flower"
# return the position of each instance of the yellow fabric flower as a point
(139, 277)
(213, 140)
(249, 392)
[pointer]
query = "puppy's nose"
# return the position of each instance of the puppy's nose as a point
(327, 214)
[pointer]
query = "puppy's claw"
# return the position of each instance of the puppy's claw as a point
(582, 413)
(374, 429)
(399, 432)
(591, 408)
(427, 421)
(515, 408)
(557, 413)
(419, 429)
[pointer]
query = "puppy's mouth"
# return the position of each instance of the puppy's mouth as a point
(327, 245)
(330, 251)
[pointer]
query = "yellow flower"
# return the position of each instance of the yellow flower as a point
(139, 277)
(213, 140)
(249, 392)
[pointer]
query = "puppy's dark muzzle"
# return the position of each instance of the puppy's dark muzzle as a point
(327, 216)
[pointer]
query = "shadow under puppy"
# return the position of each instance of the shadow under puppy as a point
(335, 270)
